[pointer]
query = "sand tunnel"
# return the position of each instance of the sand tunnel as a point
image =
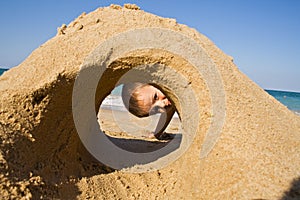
(237, 142)
(154, 56)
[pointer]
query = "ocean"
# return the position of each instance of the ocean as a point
(290, 99)
(2, 70)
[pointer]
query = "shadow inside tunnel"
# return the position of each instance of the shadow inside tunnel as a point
(294, 191)
(146, 146)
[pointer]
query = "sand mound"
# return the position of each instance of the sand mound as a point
(243, 143)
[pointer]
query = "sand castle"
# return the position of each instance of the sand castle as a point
(237, 141)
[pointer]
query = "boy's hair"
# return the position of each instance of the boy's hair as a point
(130, 97)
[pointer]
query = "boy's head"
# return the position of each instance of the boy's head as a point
(142, 99)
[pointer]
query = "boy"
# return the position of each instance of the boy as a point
(143, 99)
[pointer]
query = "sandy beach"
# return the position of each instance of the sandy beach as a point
(116, 123)
(234, 141)
(131, 133)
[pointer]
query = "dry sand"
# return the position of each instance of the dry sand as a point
(42, 157)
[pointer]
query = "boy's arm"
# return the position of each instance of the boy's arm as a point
(164, 121)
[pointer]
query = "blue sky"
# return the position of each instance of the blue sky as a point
(263, 36)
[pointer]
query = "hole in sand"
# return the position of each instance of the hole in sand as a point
(131, 133)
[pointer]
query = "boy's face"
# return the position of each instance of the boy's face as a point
(150, 96)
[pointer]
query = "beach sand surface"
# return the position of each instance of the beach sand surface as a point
(132, 133)
(255, 156)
